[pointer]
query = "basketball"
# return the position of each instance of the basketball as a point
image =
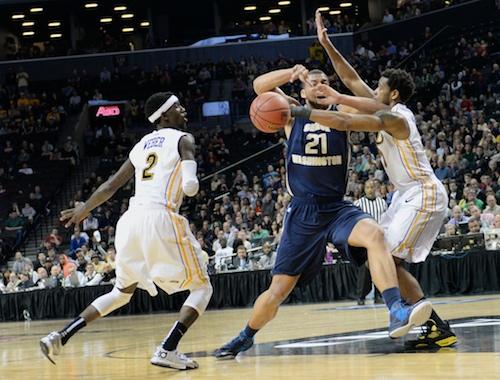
(269, 112)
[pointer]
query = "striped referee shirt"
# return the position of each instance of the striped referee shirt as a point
(375, 207)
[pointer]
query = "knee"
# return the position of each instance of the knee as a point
(375, 235)
(199, 298)
(279, 292)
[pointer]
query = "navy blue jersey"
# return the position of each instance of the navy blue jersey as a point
(317, 160)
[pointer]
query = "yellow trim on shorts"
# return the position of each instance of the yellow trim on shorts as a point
(199, 272)
(180, 244)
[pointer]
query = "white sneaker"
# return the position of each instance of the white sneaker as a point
(172, 359)
(51, 345)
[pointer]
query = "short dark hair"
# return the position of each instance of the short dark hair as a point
(317, 72)
(154, 102)
(400, 80)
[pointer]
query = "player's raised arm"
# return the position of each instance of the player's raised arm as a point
(346, 72)
(326, 95)
(387, 121)
(101, 195)
(272, 81)
(190, 183)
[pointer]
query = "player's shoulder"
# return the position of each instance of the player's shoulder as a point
(402, 109)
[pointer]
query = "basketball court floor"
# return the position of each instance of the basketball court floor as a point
(318, 341)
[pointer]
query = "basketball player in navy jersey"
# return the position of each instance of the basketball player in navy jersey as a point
(317, 163)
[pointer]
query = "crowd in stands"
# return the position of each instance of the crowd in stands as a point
(237, 215)
(415, 8)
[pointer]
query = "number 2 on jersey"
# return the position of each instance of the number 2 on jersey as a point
(151, 161)
(314, 140)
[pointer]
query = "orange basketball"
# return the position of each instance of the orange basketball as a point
(269, 112)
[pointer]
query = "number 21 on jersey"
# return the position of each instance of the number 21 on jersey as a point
(151, 161)
(314, 140)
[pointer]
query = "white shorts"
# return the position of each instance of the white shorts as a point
(156, 246)
(413, 221)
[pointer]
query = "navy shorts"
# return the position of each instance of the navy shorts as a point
(309, 225)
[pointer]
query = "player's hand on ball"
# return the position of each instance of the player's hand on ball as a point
(326, 95)
(74, 215)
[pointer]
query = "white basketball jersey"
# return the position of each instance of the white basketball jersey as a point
(157, 162)
(405, 161)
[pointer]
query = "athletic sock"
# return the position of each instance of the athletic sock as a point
(249, 332)
(437, 320)
(71, 329)
(171, 341)
(391, 296)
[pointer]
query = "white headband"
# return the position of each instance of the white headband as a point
(164, 108)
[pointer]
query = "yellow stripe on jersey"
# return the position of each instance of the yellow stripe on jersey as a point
(426, 220)
(406, 162)
(180, 244)
(171, 181)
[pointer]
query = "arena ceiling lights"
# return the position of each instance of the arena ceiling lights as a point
(265, 18)
(28, 33)
(36, 10)
(28, 23)
(145, 24)
(127, 15)
(18, 16)
(91, 5)
(54, 24)
(105, 20)
(284, 3)
(56, 35)
(323, 9)
(345, 5)
(275, 10)
(250, 8)
(335, 12)
(120, 8)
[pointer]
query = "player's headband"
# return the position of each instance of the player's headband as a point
(164, 108)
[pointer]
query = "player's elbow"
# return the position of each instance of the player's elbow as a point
(257, 86)
(190, 187)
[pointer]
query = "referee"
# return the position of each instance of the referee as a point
(375, 206)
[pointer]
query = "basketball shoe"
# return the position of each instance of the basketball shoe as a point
(433, 336)
(239, 344)
(172, 359)
(404, 317)
(51, 345)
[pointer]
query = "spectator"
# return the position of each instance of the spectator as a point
(90, 223)
(458, 217)
(21, 263)
(241, 261)
(91, 276)
(12, 285)
(66, 264)
(474, 226)
(268, 257)
(258, 233)
(75, 279)
(98, 264)
(492, 207)
(25, 282)
(222, 254)
(54, 238)
(28, 212)
(40, 260)
(56, 277)
(442, 171)
(77, 241)
(42, 278)
(14, 228)
(388, 17)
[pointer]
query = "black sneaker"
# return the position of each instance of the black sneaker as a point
(433, 336)
(239, 344)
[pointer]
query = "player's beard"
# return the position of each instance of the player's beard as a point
(317, 106)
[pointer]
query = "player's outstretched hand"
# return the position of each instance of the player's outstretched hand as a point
(326, 95)
(321, 30)
(74, 215)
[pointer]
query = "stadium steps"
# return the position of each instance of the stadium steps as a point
(67, 193)
(215, 90)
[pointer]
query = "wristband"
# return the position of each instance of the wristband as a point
(302, 112)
